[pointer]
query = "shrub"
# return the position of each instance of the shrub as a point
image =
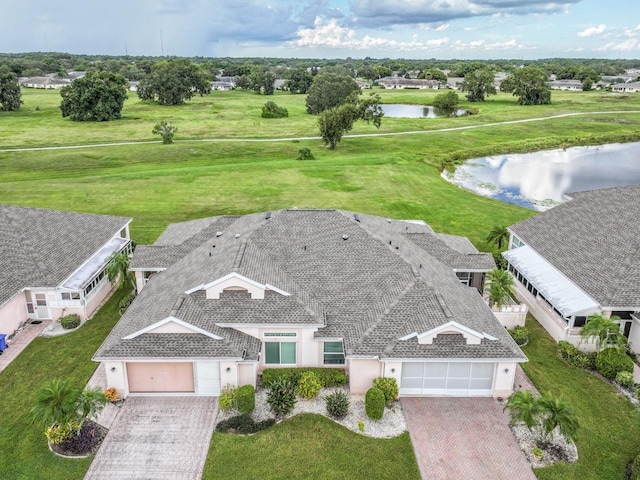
(611, 361)
(520, 335)
(388, 386)
(70, 321)
(305, 154)
(309, 385)
(243, 424)
(271, 110)
(584, 360)
(166, 130)
(337, 404)
(228, 398)
(111, 394)
(329, 377)
(58, 433)
(374, 403)
(126, 302)
(281, 396)
(566, 349)
(635, 469)
(246, 398)
(625, 379)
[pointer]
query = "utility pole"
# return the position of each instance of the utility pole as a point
(161, 43)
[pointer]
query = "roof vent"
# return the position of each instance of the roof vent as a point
(237, 235)
(345, 236)
(356, 217)
(388, 220)
(267, 216)
(218, 234)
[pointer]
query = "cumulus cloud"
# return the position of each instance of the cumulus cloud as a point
(629, 45)
(376, 13)
(593, 31)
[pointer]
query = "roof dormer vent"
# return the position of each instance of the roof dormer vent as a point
(237, 235)
(218, 234)
(345, 237)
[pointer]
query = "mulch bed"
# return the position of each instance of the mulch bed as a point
(85, 443)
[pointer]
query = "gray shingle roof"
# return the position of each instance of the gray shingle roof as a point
(41, 248)
(369, 289)
(594, 240)
(453, 253)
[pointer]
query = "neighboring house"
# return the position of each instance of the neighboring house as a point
(224, 86)
(52, 263)
(133, 86)
(455, 83)
(571, 85)
(221, 299)
(47, 83)
(228, 79)
(363, 84)
(581, 258)
(400, 83)
(626, 87)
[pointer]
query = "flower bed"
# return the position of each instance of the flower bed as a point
(82, 445)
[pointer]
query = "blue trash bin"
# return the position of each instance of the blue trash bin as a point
(3, 342)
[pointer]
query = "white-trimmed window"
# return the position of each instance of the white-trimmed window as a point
(280, 353)
(516, 242)
(333, 353)
(464, 277)
(70, 295)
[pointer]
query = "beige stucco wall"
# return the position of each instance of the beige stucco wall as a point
(230, 377)
(361, 374)
(393, 370)
(503, 379)
(118, 378)
(510, 319)
(634, 337)
(247, 373)
(13, 313)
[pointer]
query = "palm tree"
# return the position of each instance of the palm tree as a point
(605, 331)
(524, 407)
(498, 235)
(55, 404)
(117, 269)
(499, 287)
(89, 404)
(558, 413)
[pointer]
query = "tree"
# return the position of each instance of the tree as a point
(447, 102)
(499, 287)
(604, 331)
(478, 84)
(558, 413)
(498, 235)
(335, 122)
(55, 404)
(171, 82)
(367, 72)
(96, 97)
(10, 94)
(524, 407)
(329, 90)
(382, 71)
(262, 81)
(118, 269)
(299, 80)
(529, 84)
(587, 85)
(166, 130)
(89, 404)
(434, 74)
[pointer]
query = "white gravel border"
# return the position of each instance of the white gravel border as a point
(391, 425)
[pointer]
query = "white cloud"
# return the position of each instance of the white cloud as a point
(496, 46)
(593, 31)
(438, 28)
(632, 44)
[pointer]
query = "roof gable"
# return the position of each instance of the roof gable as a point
(235, 281)
(172, 325)
(471, 336)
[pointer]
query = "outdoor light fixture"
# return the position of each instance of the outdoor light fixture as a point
(113, 369)
(393, 370)
(506, 370)
(228, 369)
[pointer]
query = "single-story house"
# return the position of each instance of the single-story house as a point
(52, 263)
(626, 87)
(571, 85)
(363, 84)
(223, 298)
(581, 258)
(401, 82)
(49, 82)
(224, 86)
(454, 83)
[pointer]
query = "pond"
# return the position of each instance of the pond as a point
(539, 180)
(397, 110)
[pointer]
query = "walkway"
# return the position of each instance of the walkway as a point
(464, 438)
(359, 135)
(22, 339)
(157, 438)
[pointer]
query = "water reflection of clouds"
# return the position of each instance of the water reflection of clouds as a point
(539, 180)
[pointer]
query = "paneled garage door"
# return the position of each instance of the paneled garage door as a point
(462, 379)
(166, 377)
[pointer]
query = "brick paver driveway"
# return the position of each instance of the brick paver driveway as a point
(464, 439)
(157, 438)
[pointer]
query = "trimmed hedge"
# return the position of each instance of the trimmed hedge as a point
(70, 321)
(388, 386)
(374, 403)
(246, 399)
(243, 424)
(329, 377)
(611, 361)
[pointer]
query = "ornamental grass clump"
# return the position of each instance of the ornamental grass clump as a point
(281, 397)
(337, 404)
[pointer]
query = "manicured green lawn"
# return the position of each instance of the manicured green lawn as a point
(24, 454)
(609, 434)
(310, 446)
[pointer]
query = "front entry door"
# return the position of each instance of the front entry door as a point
(42, 309)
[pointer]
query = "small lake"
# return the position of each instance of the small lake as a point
(539, 180)
(413, 111)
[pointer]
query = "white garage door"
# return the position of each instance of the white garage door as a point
(462, 379)
(208, 378)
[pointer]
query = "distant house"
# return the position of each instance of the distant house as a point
(133, 86)
(363, 84)
(454, 83)
(228, 79)
(570, 85)
(224, 86)
(626, 87)
(581, 258)
(401, 83)
(47, 82)
(223, 298)
(53, 263)
(280, 84)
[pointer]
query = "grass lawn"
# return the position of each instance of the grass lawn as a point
(310, 446)
(24, 454)
(609, 434)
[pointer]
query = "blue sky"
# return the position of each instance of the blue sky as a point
(444, 29)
